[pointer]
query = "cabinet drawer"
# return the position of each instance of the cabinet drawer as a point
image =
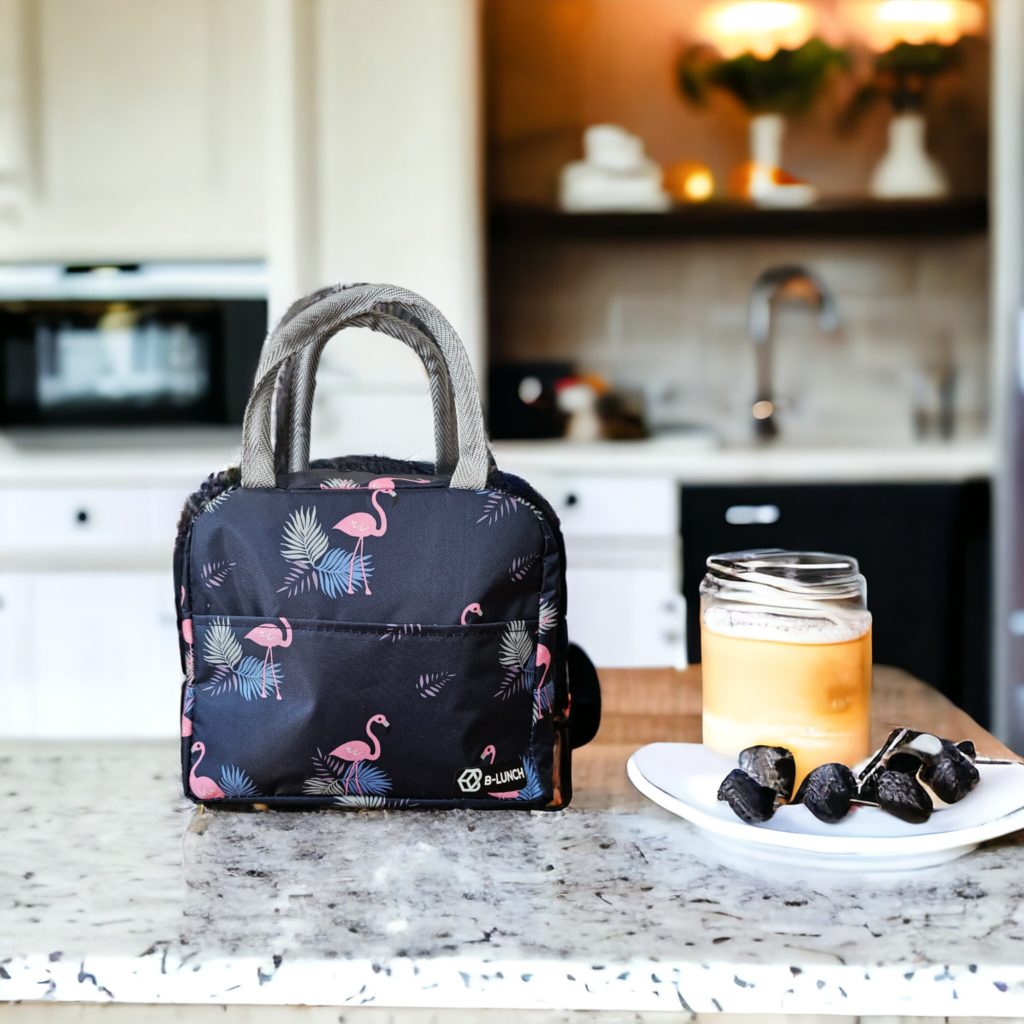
(626, 619)
(80, 517)
(604, 506)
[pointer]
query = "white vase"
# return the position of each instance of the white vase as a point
(766, 131)
(906, 171)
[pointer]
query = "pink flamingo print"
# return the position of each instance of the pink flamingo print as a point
(490, 752)
(387, 483)
(358, 751)
(186, 635)
(471, 609)
(202, 786)
(362, 525)
(545, 695)
(270, 636)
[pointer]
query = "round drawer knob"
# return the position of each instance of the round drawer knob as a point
(82, 516)
(571, 499)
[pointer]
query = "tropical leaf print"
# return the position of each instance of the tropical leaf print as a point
(521, 566)
(543, 700)
(236, 783)
(190, 665)
(249, 677)
(326, 778)
(396, 630)
(496, 506)
(532, 788)
(299, 579)
(334, 777)
(335, 567)
(316, 565)
(368, 802)
(215, 503)
(304, 538)
(337, 483)
(516, 655)
(516, 647)
(233, 672)
(220, 646)
(547, 617)
(430, 684)
(366, 780)
(215, 573)
(189, 702)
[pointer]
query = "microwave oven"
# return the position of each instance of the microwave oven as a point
(132, 346)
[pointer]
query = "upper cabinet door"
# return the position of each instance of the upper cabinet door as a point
(133, 130)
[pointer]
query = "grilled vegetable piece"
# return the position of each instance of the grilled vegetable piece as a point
(945, 769)
(771, 766)
(827, 792)
(906, 762)
(867, 778)
(747, 797)
(951, 775)
(925, 745)
(903, 796)
(867, 790)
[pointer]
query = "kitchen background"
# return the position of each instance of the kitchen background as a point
(734, 273)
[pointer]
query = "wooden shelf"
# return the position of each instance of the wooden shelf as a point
(860, 218)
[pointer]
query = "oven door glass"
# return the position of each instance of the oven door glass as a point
(118, 363)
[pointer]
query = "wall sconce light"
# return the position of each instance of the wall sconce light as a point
(887, 23)
(760, 27)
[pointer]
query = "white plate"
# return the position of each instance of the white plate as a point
(684, 779)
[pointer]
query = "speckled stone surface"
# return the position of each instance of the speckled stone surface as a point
(113, 887)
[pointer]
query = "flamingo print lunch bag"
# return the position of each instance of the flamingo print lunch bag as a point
(368, 632)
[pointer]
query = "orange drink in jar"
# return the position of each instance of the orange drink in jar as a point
(786, 655)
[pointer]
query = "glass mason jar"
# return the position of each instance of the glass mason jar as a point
(786, 652)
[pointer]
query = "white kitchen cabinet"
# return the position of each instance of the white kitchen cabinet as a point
(627, 617)
(17, 655)
(132, 130)
(624, 568)
(55, 520)
(94, 654)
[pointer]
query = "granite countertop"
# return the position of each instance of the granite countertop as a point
(114, 888)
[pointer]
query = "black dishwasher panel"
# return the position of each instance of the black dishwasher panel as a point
(924, 548)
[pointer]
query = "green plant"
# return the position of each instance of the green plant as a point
(788, 82)
(902, 76)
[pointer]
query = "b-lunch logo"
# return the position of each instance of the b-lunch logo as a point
(507, 777)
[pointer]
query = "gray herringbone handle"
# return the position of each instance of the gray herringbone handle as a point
(301, 337)
(296, 389)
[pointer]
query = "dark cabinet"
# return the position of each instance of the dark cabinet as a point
(924, 548)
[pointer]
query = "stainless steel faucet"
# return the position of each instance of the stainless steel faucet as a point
(792, 283)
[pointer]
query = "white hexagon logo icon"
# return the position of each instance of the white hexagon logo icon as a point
(470, 780)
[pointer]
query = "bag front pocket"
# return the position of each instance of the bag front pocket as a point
(302, 711)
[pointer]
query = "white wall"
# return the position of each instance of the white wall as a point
(337, 139)
(384, 131)
(131, 131)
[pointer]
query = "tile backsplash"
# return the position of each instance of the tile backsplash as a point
(669, 319)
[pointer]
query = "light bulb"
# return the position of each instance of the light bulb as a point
(760, 27)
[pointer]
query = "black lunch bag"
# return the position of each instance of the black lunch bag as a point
(369, 632)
